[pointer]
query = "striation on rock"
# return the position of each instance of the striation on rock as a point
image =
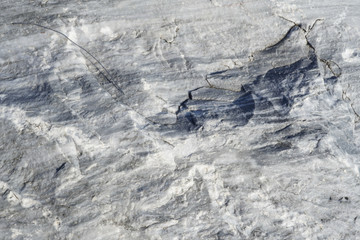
(179, 119)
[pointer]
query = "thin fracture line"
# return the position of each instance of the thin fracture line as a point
(82, 48)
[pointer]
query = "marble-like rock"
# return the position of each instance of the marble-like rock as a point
(216, 119)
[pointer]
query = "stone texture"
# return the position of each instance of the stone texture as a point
(217, 119)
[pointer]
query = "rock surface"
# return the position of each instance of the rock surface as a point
(213, 119)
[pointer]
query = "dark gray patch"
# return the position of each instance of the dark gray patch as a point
(280, 86)
(58, 169)
(193, 114)
(38, 94)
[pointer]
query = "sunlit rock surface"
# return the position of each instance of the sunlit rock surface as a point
(212, 119)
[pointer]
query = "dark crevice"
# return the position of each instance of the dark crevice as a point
(346, 98)
(284, 38)
(58, 169)
(328, 63)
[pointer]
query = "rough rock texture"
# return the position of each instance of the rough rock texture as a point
(211, 119)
